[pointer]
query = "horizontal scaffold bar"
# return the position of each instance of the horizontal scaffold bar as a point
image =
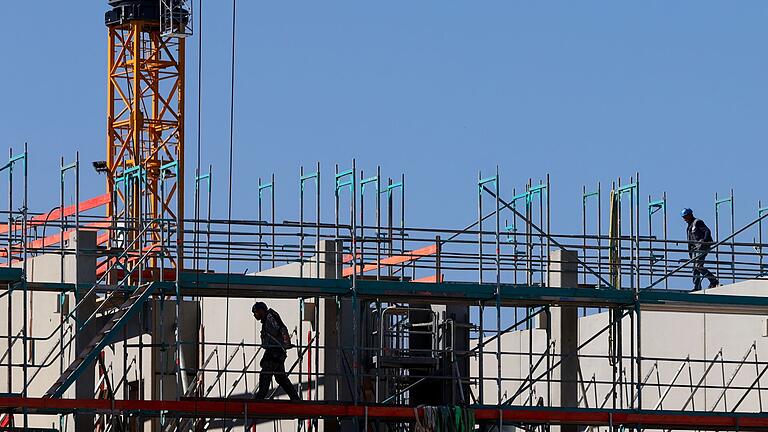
(57, 213)
(239, 408)
(10, 275)
(250, 286)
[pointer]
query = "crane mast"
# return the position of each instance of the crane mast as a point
(145, 124)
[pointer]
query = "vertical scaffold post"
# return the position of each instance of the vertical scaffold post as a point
(301, 249)
(402, 216)
(378, 221)
(74, 166)
(26, 358)
(548, 250)
(497, 258)
(636, 233)
(512, 228)
(497, 293)
(9, 258)
(760, 211)
(348, 179)
(548, 247)
(599, 233)
(719, 202)
(356, 310)
(377, 184)
(208, 178)
(302, 180)
(262, 246)
(544, 243)
(639, 356)
(64, 169)
(585, 196)
(170, 170)
(317, 299)
(636, 366)
(480, 234)
(438, 259)
(13, 226)
(653, 208)
(539, 190)
(529, 237)
(733, 241)
(632, 190)
(529, 278)
(391, 186)
(481, 182)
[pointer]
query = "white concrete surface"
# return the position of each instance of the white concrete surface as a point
(667, 337)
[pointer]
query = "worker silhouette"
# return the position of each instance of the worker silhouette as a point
(699, 243)
(275, 340)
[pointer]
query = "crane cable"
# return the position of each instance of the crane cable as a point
(199, 132)
(196, 237)
(231, 168)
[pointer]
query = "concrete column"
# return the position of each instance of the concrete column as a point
(563, 273)
(334, 328)
(459, 314)
(328, 252)
(424, 392)
(335, 331)
(82, 268)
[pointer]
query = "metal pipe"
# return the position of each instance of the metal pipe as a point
(727, 385)
(703, 378)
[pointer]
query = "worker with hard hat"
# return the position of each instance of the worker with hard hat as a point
(699, 243)
(275, 340)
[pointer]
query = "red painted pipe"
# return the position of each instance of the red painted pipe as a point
(235, 408)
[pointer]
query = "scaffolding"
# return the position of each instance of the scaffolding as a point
(390, 317)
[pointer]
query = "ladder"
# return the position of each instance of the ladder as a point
(118, 320)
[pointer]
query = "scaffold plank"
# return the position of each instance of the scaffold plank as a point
(201, 284)
(237, 285)
(240, 408)
(393, 260)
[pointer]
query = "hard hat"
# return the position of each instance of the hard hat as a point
(686, 212)
(257, 306)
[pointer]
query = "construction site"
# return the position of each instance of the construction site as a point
(133, 310)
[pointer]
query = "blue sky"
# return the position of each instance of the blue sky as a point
(438, 90)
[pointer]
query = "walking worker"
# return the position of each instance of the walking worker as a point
(275, 340)
(699, 243)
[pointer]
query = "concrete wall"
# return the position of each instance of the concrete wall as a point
(242, 326)
(665, 336)
(45, 311)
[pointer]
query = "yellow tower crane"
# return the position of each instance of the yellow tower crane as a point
(145, 122)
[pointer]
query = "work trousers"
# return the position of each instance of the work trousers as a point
(700, 272)
(273, 365)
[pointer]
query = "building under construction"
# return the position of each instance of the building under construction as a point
(124, 312)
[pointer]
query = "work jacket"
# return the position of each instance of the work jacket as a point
(273, 332)
(699, 237)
